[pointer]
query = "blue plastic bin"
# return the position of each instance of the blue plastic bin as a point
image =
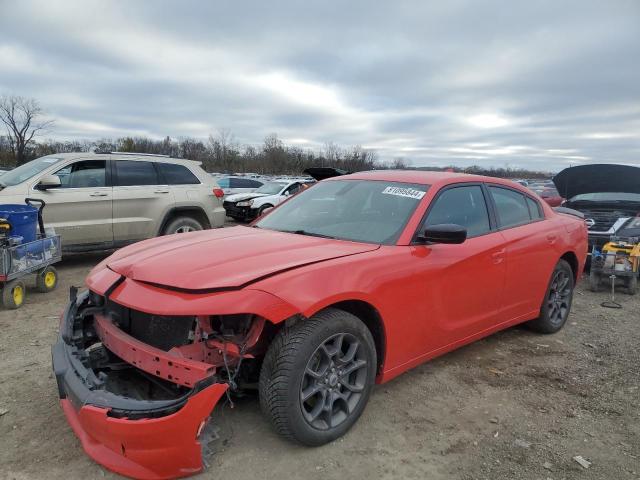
(23, 220)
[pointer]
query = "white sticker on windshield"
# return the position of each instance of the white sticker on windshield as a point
(404, 192)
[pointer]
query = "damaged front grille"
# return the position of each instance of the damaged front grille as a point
(163, 332)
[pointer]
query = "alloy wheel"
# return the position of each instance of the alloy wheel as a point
(333, 381)
(559, 297)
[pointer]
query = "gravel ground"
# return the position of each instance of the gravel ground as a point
(516, 405)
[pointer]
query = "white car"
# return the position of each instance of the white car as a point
(247, 206)
(231, 185)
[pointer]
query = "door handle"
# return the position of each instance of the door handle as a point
(498, 256)
(98, 194)
(161, 191)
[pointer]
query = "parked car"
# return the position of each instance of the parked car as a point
(608, 195)
(97, 201)
(248, 206)
(549, 194)
(349, 283)
(233, 185)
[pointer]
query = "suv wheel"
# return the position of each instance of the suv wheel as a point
(317, 377)
(182, 225)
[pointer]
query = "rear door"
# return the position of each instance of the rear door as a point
(529, 241)
(186, 188)
(140, 200)
(80, 210)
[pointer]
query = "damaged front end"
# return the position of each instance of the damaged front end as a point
(138, 388)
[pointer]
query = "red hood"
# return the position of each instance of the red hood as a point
(224, 258)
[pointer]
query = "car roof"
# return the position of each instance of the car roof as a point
(425, 177)
(122, 156)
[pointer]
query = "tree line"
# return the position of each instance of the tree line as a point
(221, 152)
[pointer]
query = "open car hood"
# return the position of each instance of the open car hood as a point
(225, 258)
(321, 173)
(597, 178)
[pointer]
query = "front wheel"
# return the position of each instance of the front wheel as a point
(263, 209)
(557, 301)
(317, 377)
(13, 294)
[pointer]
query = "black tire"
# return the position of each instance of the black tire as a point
(632, 285)
(557, 300)
(11, 298)
(47, 280)
(594, 280)
(298, 361)
(182, 225)
(262, 209)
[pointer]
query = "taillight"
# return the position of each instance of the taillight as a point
(218, 192)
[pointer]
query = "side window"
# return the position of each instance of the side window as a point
(511, 207)
(174, 174)
(534, 209)
(84, 174)
(293, 189)
(132, 173)
(255, 183)
(223, 183)
(244, 183)
(463, 206)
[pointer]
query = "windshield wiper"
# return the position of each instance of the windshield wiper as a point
(310, 234)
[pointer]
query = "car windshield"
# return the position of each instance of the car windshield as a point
(28, 170)
(603, 197)
(270, 188)
(358, 210)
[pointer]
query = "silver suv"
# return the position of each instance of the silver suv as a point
(107, 200)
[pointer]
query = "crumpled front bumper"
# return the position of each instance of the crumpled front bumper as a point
(136, 438)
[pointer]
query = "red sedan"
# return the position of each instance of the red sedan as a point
(350, 283)
(549, 195)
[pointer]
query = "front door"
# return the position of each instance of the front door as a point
(80, 210)
(463, 283)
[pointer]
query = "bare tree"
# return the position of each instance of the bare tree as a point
(22, 118)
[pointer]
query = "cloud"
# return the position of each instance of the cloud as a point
(537, 84)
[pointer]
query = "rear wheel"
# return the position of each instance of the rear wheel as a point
(317, 377)
(557, 301)
(13, 294)
(47, 279)
(182, 225)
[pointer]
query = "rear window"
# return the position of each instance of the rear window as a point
(132, 173)
(534, 209)
(173, 174)
(511, 206)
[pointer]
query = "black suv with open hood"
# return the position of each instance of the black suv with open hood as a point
(607, 194)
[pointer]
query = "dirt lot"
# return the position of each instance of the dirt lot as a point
(514, 406)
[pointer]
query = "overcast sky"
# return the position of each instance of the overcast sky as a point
(528, 83)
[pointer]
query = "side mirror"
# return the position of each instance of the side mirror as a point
(47, 182)
(444, 233)
(287, 193)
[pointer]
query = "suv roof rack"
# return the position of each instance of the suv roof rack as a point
(135, 154)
